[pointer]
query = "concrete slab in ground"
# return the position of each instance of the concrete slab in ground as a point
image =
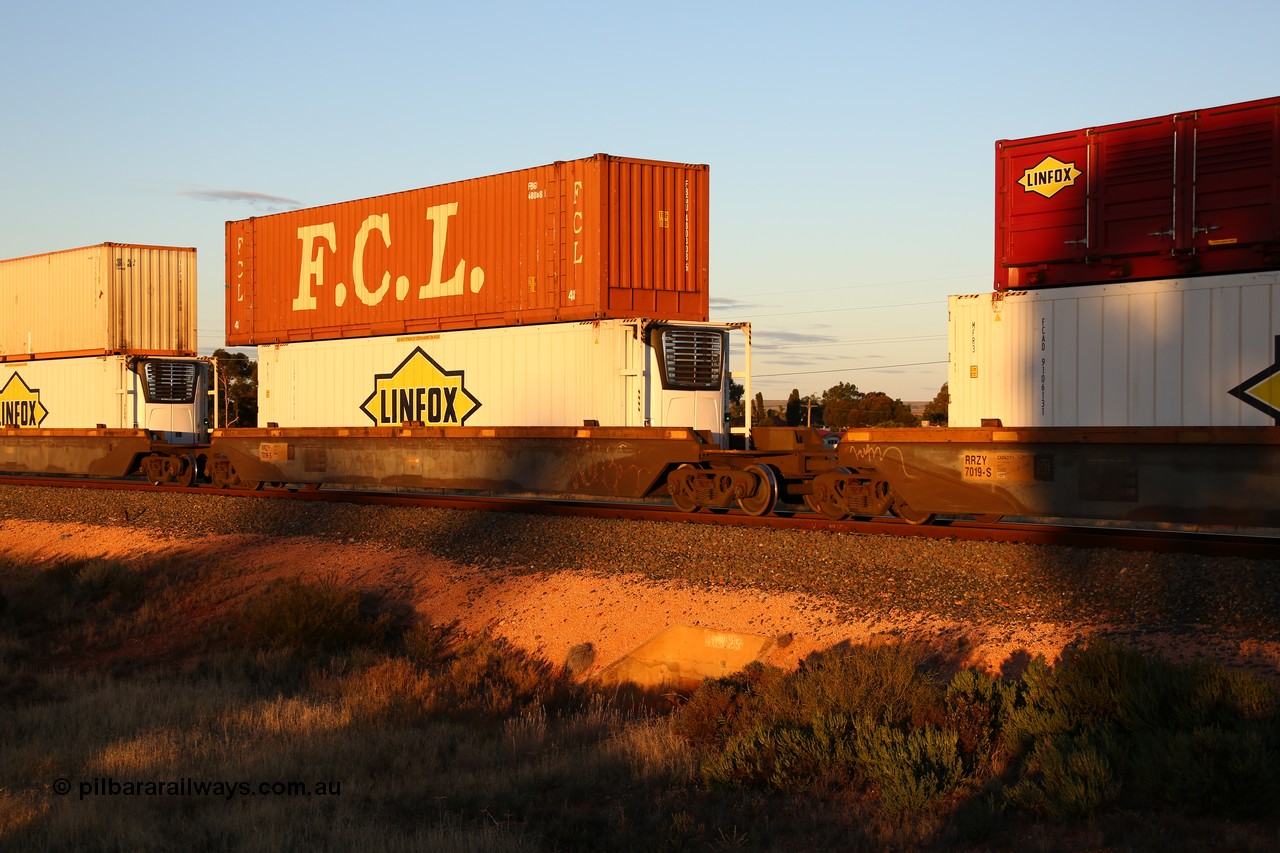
(683, 656)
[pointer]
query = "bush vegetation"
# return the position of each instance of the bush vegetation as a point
(438, 739)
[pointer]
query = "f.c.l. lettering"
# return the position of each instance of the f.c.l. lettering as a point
(319, 243)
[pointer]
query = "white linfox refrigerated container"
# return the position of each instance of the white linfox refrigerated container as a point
(611, 372)
(108, 298)
(1152, 353)
(167, 396)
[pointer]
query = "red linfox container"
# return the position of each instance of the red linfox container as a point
(597, 238)
(1194, 193)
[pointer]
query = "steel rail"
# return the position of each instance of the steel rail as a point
(1049, 532)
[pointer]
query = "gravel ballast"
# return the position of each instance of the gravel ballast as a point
(853, 575)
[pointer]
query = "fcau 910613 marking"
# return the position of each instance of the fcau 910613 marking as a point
(420, 391)
(20, 404)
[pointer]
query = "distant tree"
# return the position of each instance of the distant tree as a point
(838, 403)
(936, 412)
(736, 392)
(878, 409)
(757, 413)
(794, 415)
(237, 389)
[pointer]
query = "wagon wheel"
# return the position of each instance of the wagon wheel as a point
(909, 515)
(826, 504)
(223, 474)
(987, 517)
(766, 496)
(186, 476)
(156, 468)
(684, 498)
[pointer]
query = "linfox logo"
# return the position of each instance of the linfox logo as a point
(1049, 177)
(420, 390)
(20, 404)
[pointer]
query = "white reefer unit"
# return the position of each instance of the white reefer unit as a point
(1172, 352)
(167, 396)
(607, 372)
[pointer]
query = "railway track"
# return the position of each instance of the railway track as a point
(1048, 532)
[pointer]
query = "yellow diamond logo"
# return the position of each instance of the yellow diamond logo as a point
(1049, 177)
(20, 405)
(1262, 390)
(420, 391)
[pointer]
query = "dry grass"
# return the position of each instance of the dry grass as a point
(420, 737)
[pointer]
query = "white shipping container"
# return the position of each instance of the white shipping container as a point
(614, 372)
(99, 299)
(163, 395)
(1152, 353)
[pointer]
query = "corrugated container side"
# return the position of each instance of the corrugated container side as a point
(1194, 193)
(67, 393)
(1155, 353)
(99, 299)
(598, 238)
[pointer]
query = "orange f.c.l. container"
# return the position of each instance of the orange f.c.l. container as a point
(597, 238)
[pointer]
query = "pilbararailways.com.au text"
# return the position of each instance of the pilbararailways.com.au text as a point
(109, 786)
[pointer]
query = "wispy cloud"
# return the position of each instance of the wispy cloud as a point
(720, 303)
(775, 338)
(253, 199)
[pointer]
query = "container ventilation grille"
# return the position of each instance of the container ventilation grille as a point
(170, 381)
(693, 359)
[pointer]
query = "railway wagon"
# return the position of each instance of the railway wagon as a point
(596, 238)
(630, 463)
(602, 408)
(98, 372)
(1211, 476)
(110, 416)
(483, 334)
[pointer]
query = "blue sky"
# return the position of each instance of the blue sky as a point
(851, 145)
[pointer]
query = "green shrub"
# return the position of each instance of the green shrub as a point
(97, 579)
(786, 756)
(1210, 770)
(1068, 777)
(432, 645)
(308, 619)
(976, 708)
(487, 675)
(1098, 684)
(721, 707)
(890, 683)
(854, 714)
(69, 592)
(913, 768)
(1110, 724)
(1220, 695)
